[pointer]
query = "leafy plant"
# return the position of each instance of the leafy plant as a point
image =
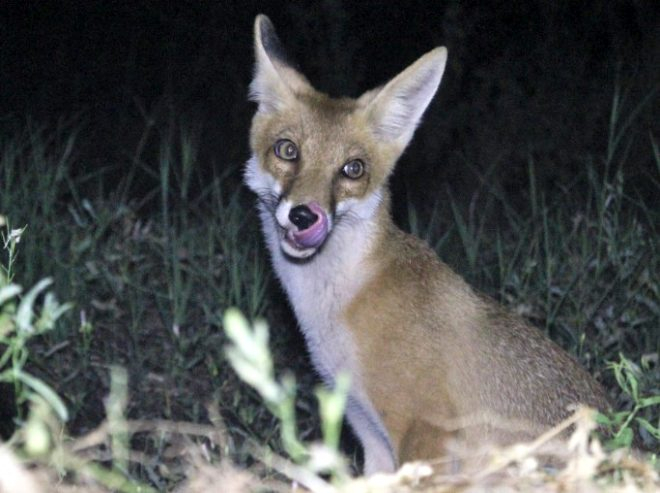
(20, 321)
(622, 424)
(250, 357)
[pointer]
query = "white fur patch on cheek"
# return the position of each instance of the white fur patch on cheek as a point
(259, 180)
(282, 213)
(365, 208)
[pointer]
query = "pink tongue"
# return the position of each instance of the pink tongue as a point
(313, 236)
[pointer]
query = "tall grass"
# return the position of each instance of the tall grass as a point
(145, 279)
(34, 184)
(148, 280)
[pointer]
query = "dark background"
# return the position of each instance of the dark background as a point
(525, 80)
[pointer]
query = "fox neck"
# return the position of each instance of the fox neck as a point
(341, 266)
(320, 288)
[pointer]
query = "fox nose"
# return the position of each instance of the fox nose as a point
(302, 217)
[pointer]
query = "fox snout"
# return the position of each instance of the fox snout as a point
(302, 217)
(305, 228)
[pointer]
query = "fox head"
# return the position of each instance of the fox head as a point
(317, 160)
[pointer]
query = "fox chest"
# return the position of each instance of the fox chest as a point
(319, 291)
(318, 308)
(318, 301)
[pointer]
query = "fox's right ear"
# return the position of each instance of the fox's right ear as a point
(394, 110)
(275, 80)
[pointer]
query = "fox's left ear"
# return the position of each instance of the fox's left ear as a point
(275, 80)
(395, 110)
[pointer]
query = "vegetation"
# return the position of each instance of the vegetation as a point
(581, 262)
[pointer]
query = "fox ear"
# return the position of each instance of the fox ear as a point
(275, 80)
(395, 110)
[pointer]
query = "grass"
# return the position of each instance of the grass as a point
(150, 278)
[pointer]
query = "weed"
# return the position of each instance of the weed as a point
(20, 321)
(620, 424)
(250, 357)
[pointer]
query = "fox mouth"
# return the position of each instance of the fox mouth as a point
(303, 243)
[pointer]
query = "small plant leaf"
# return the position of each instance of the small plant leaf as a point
(6, 325)
(8, 292)
(653, 400)
(332, 405)
(633, 385)
(653, 430)
(46, 392)
(624, 438)
(620, 417)
(25, 312)
(50, 312)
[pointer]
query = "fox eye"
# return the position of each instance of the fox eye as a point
(353, 169)
(285, 149)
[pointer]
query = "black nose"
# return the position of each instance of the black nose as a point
(302, 216)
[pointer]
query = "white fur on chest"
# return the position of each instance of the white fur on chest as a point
(319, 290)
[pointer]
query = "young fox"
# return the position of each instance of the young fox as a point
(424, 351)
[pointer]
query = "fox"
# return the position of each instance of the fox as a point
(423, 349)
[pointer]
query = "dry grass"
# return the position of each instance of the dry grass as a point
(195, 463)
